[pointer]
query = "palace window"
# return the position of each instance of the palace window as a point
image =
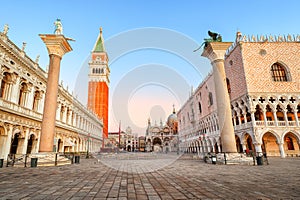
(2, 89)
(5, 84)
(279, 73)
(228, 86)
(36, 99)
(210, 98)
(22, 95)
(200, 109)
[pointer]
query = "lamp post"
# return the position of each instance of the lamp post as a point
(88, 146)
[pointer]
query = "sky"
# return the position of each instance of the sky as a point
(150, 44)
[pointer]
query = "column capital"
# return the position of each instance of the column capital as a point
(215, 51)
(56, 44)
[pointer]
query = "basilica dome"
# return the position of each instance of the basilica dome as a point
(172, 119)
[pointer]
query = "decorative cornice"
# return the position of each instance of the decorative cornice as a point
(215, 50)
(56, 44)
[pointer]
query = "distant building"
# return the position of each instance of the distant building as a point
(131, 140)
(263, 84)
(163, 137)
(22, 94)
(142, 144)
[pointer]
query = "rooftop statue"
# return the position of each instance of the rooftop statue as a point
(58, 27)
(214, 37)
(5, 30)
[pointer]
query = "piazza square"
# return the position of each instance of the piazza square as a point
(152, 112)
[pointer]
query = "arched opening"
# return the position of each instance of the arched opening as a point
(216, 147)
(157, 143)
(258, 114)
(290, 113)
(279, 73)
(248, 115)
(5, 85)
(30, 144)
(36, 98)
(279, 113)
(291, 145)
(238, 144)
(249, 143)
(269, 113)
(22, 94)
(242, 117)
(270, 145)
(15, 143)
(128, 147)
(237, 122)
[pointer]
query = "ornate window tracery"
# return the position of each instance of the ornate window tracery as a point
(279, 73)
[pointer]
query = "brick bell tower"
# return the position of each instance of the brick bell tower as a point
(99, 82)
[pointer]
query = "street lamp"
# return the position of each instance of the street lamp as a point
(88, 146)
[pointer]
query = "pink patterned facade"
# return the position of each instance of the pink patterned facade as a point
(263, 85)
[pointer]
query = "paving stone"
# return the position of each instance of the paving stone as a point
(183, 179)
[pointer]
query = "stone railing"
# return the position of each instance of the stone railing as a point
(15, 108)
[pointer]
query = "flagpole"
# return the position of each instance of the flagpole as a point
(119, 134)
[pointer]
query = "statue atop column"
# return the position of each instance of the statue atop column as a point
(58, 27)
(214, 37)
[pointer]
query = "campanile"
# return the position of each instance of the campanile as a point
(98, 89)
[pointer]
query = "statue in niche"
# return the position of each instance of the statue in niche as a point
(58, 27)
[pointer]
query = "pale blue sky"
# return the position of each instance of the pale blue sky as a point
(127, 26)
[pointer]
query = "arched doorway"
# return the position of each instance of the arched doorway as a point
(30, 144)
(15, 143)
(166, 147)
(270, 145)
(157, 143)
(291, 145)
(238, 144)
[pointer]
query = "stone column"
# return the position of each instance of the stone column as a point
(25, 143)
(281, 148)
(258, 148)
(265, 117)
(275, 117)
(215, 52)
(296, 117)
(57, 46)
(253, 118)
(9, 129)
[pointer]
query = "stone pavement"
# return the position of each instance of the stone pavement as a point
(182, 179)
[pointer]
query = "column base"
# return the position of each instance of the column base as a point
(233, 159)
(50, 159)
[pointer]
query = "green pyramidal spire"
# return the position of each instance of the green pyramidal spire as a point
(99, 45)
